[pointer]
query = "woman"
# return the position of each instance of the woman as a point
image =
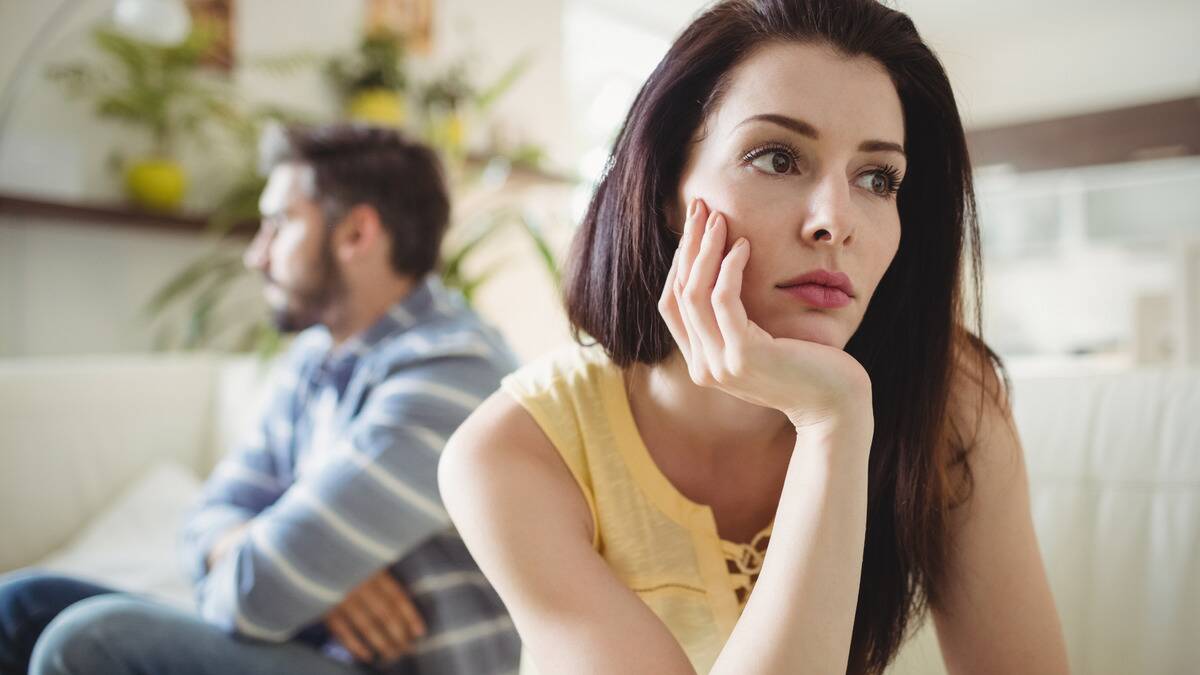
(771, 272)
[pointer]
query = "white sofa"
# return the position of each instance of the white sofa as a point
(100, 456)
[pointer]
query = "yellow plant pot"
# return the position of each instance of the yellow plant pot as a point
(156, 184)
(377, 106)
(449, 131)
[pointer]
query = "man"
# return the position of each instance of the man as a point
(320, 545)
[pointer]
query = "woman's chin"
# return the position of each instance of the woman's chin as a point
(813, 326)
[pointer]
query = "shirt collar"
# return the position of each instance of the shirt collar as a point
(427, 298)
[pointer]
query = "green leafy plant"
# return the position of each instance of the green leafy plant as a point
(213, 316)
(157, 89)
(378, 63)
(201, 292)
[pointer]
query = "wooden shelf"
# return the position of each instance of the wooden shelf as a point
(108, 214)
(116, 214)
(1150, 131)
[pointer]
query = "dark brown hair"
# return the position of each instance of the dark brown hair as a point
(358, 164)
(913, 340)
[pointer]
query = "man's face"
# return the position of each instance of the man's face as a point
(292, 250)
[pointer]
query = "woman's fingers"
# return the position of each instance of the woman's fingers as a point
(668, 308)
(701, 298)
(689, 247)
(697, 293)
(728, 310)
(693, 229)
(668, 302)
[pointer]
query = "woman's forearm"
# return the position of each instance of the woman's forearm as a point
(800, 616)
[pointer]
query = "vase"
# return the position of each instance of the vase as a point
(377, 106)
(156, 184)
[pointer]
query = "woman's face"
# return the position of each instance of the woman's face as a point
(803, 155)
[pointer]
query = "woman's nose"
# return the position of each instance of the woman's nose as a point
(828, 219)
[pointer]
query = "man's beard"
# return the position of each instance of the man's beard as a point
(305, 307)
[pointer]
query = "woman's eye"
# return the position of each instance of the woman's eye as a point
(879, 182)
(774, 162)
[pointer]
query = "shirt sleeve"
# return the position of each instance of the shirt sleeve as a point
(246, 481)
(366, 503)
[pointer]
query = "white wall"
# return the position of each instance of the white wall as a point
(1018, 60)
(67, 288)
(1021, 60)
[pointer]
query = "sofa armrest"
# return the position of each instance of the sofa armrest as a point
(75, 432)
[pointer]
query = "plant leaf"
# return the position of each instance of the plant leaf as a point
(486, 98)
(546, 253)
(188, 279)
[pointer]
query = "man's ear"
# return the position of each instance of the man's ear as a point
(359, 232)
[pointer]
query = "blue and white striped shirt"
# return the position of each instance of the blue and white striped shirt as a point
(340, 480)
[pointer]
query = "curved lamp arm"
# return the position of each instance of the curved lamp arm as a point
(160, 22)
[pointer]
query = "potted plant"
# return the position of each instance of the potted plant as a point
(157, 89)
(371, 81)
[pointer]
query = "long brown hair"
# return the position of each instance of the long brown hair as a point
(913, 340)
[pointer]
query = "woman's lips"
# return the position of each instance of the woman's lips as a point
(824, 297)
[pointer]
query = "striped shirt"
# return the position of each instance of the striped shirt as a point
(339, 480)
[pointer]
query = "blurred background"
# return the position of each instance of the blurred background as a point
(1085, 131)
(128, 188)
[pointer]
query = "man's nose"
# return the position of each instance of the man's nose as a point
(255, 256)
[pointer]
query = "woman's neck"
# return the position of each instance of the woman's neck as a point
(704, 419)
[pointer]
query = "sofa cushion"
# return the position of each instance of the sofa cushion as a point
(132, 545)
(75, 432)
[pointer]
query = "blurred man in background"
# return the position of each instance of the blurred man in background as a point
(320, 545)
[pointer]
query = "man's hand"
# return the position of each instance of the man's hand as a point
(377, 621)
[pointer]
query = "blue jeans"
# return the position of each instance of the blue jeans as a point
(55, 625)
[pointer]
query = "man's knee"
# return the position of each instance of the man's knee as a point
(105, 634)
(29, 600)
(27, 592)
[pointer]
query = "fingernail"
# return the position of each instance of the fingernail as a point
(691, 208)
(720, 220)
(712, 219)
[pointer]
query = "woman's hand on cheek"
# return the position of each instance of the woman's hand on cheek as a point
(701, 302)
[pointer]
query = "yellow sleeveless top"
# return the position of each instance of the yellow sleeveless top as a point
(662, 545)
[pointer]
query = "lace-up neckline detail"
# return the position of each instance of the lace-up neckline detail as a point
(744, 562)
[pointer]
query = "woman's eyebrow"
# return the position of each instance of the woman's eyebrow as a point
(805, 129)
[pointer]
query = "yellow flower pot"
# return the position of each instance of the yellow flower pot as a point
(156, 184)
(448, 131)
(377, 106)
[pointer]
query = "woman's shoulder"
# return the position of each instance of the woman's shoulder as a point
(519, 432)
(576, 370)
(981, 440)
(979, 391)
